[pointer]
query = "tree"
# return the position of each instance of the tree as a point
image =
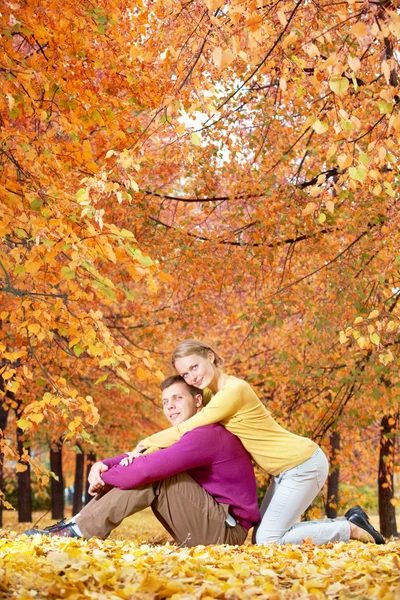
(91, 459)
(209, 169)
(57, 481)
(333, 477)
(3, 425)
(387, 515)
(51, 262)
(78, 481)
(24, 479)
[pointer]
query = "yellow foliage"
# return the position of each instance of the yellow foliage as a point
(20, 468)
(132, 568)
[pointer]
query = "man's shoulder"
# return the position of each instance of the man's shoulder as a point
(214, 433)
(215, 441)
(205, 430)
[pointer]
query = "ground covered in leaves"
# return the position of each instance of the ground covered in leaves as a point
(128, 567)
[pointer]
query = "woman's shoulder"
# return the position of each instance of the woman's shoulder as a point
(236, 383)
(241, 389)
(231, 385)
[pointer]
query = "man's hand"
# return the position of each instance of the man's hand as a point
(138, 451)
(96, 483)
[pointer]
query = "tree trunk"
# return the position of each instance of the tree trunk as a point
(332, 500)
(91, 459)
(78, 483)
(3, 425)
(387, 514)
(57, 487)
(24, 483)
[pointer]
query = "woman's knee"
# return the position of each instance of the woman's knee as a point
(268, 537)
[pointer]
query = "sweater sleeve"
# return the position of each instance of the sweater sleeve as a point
(223, 406)
(111, 462)
(195, 449)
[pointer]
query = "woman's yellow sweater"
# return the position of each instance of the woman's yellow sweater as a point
(238, 408)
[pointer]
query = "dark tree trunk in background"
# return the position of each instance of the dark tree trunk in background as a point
(24, 482)
(3, 425)
(387, 514)
(57, 487)
(91, 459)
(332, 500)
(23, 477)
(78, 482)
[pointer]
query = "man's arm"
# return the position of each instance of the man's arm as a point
(115, 460)
(196, 449)
(95, 478)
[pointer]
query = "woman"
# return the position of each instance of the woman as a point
(298, 466)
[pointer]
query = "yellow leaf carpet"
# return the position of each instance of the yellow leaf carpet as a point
(139, 562)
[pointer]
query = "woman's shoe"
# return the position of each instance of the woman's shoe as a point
(357, 518)
(356, 510)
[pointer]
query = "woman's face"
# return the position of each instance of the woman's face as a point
(196, 370)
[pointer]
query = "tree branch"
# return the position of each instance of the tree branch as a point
(326, 265)
(330, 173)
(283, 242)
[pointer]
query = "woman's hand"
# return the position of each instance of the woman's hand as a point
(138, 451)
(127, 460)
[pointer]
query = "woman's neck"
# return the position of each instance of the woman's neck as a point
(219, 381)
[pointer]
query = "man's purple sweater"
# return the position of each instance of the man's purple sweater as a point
(212, 456)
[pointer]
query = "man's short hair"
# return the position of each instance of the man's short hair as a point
(178, 379)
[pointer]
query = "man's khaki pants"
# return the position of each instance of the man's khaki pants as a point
(189, 514)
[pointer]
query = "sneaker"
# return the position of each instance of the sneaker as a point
(61, 529)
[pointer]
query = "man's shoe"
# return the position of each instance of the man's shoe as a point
(358, 519)
(356, 510)
(61, 529)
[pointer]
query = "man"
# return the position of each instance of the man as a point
(202, 488)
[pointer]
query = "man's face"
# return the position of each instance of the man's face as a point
(179, 404)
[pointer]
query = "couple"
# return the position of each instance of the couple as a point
(200, 483)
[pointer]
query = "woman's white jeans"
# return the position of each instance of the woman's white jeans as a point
(288, 496)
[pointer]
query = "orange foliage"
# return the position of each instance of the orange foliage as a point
(221, 170)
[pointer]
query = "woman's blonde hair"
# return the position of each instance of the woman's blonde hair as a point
(189, 347)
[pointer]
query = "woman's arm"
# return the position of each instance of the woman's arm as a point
(224, 405)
